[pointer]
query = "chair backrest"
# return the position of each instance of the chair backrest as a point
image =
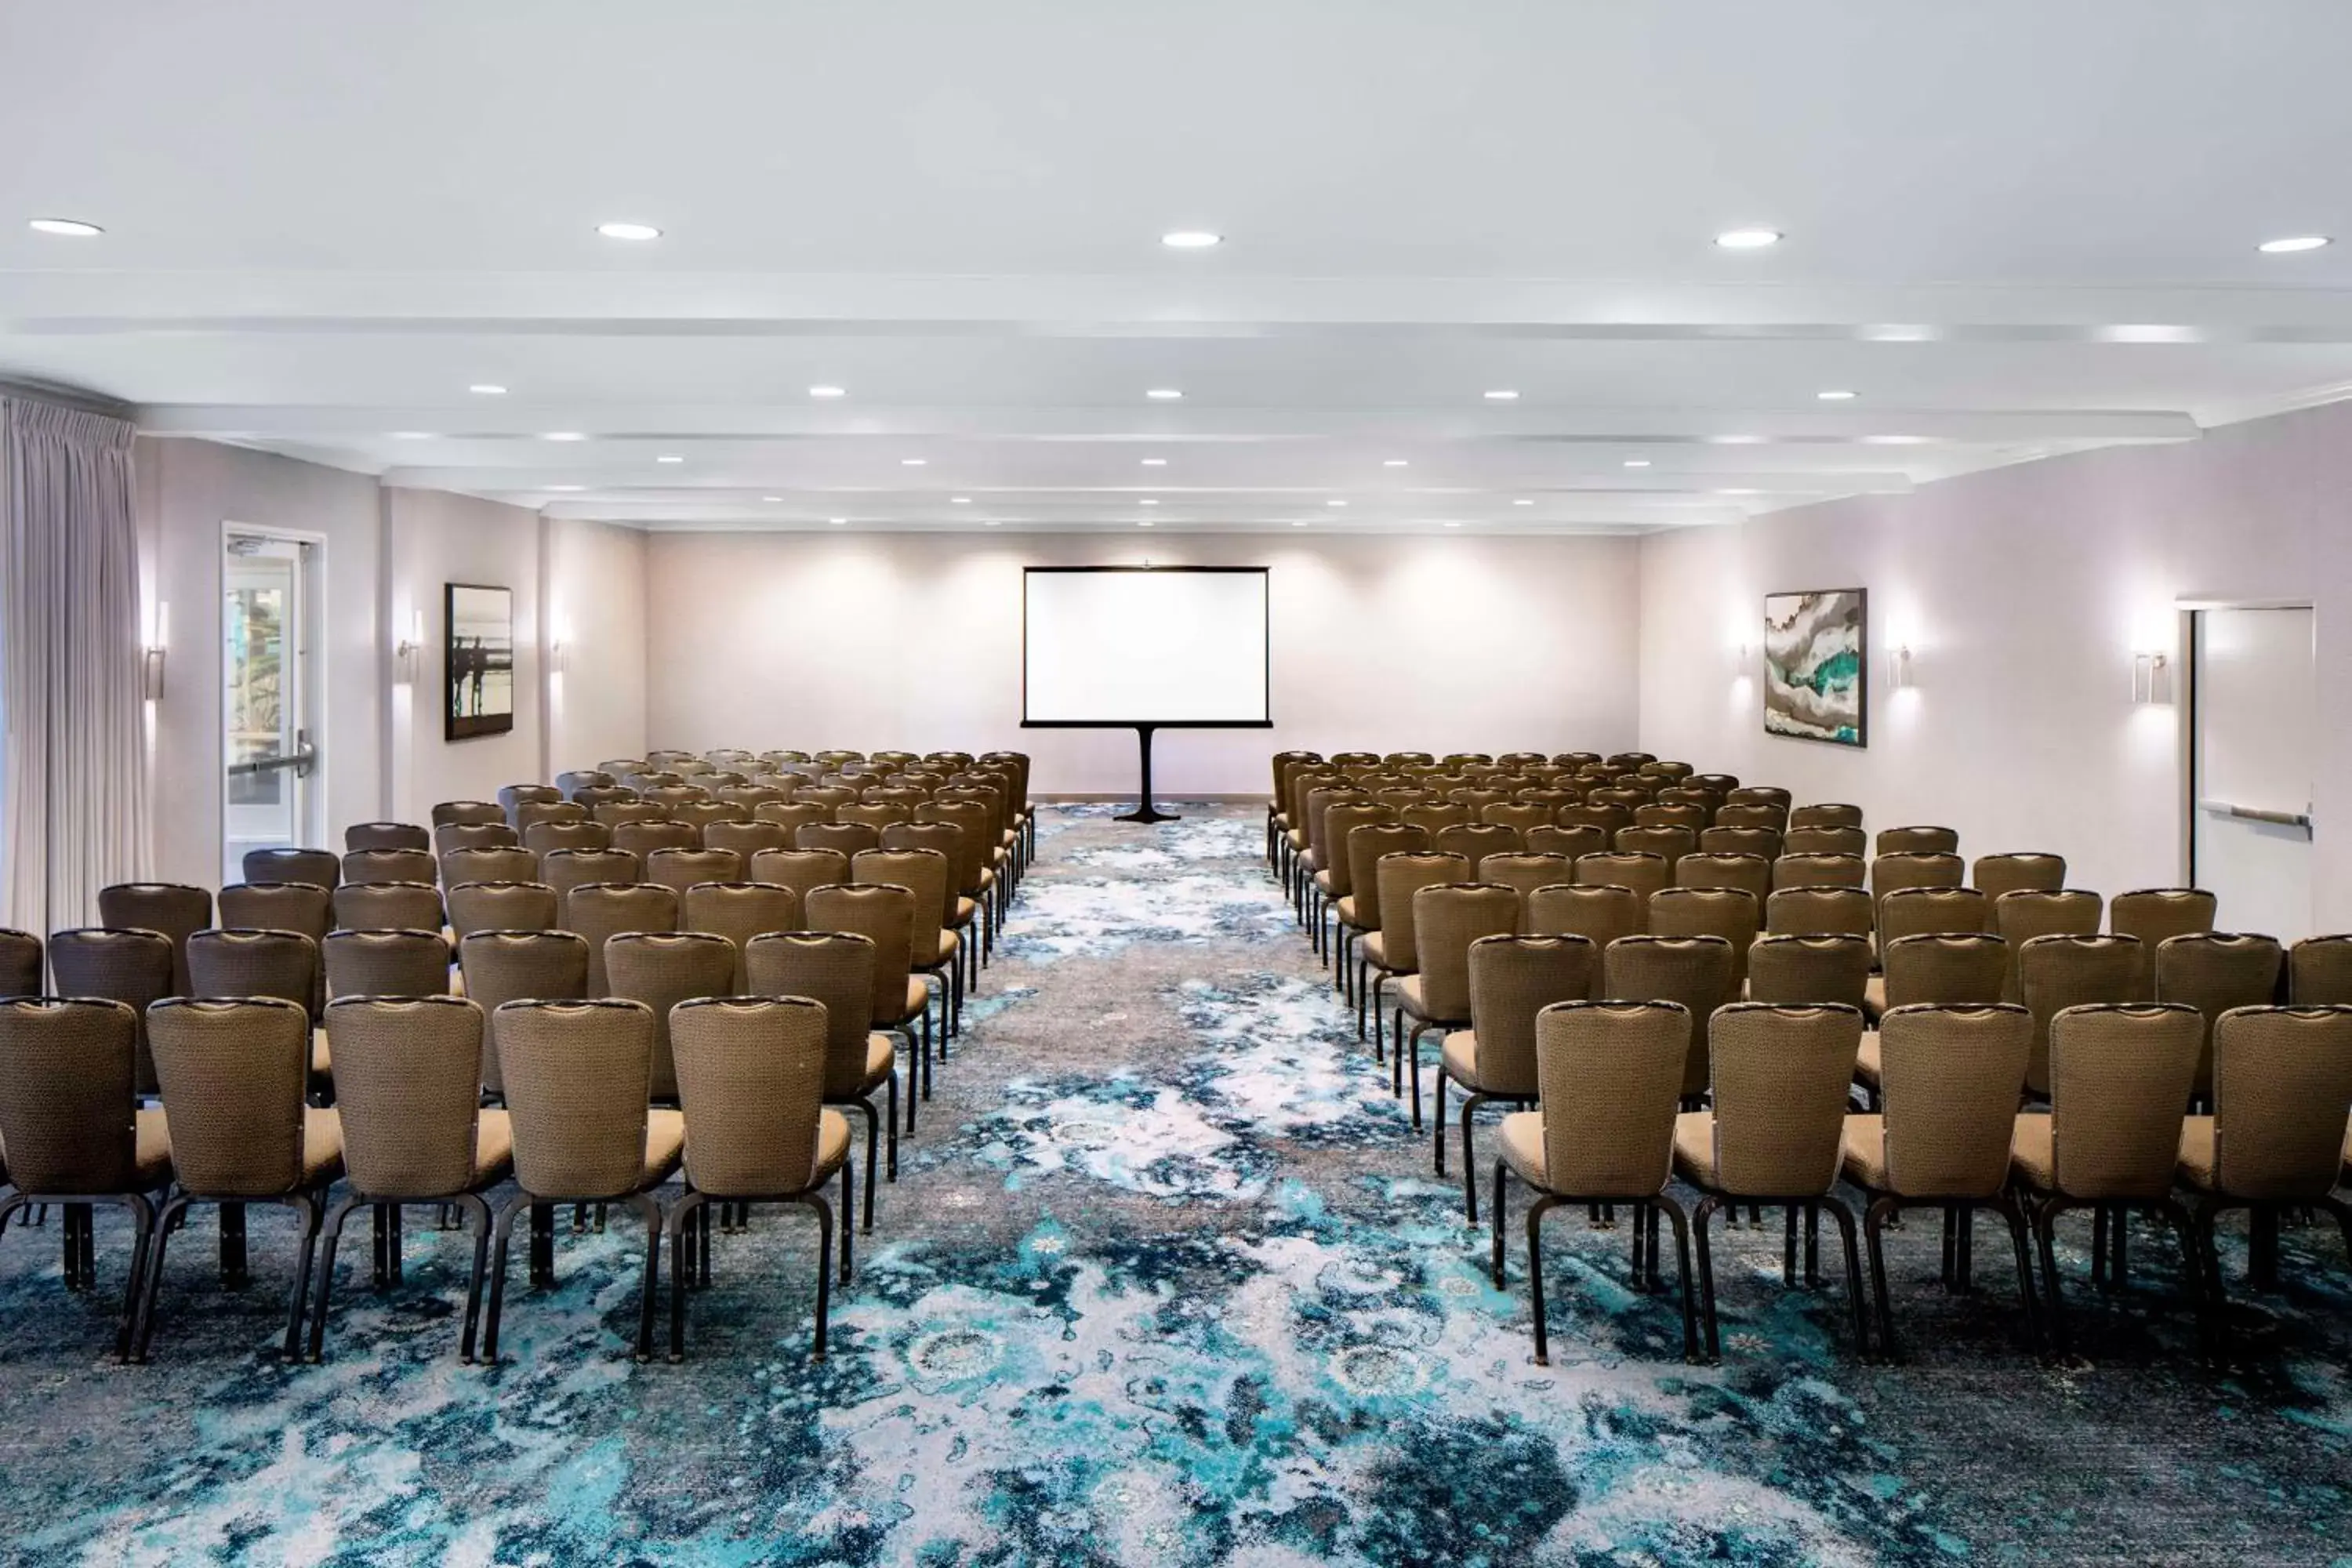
(452, 836)
(1595, 812)
(1780, 1076)
(835, 968)
(1930, 911)
(470, 813)
(679, 869)
(1809, 971)
(1447, 917)
(2120, 1078)
(751, 1078)
(702, 816)
(1340, 821)
(1817, 911)
(1693, 971)
(544, 839)
(1731, 913)
(177, 910)
(67, 1094)
(2156, 915)
(1826, 813)
(1947, 969)
(1600, 913)
(1526, 871)
(883, 912)
(319, 868)
(1895, 870)
(253, 963)
(929, 875)
(363, 866)
(801, 870)
(234, 1074)
(502, 966)
(408, 1091)
(1513, 979)
(662, 969)
(1918, 841)
(790, 815)
(1642, 871)
(606, 910)
(1521, 817)
(746, 838)
(615, 814)
(2055, 972)
(2019, 917)
(514, 796)
(503, 906)
(2281, 1095)
(2021, 870)
(305, 907)
(387, 906)
(2319, 972)
(739, 911)
(1610, 1075)
(564, 869)
(532, 814)
(1574, 840)
(1752, 874)
(385, 963)
(1474, 841)
(1366, 843)
(1669, 844)
(850, 838)
(644, 839)
(1434, 816)
(1798, 868)
(1949, 1081)
(506, 863)
(1401, 877)
(361, 835)
(2213, 972)
(578, 1080)
(133, 967)
(1762, 843)
(1825, 840)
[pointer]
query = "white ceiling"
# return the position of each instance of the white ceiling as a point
(2015, 229)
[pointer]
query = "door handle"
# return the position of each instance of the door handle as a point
(2255, 813)
(302, 759)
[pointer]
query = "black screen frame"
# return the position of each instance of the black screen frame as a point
(1145, 723)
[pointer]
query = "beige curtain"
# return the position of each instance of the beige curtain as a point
(73, 792)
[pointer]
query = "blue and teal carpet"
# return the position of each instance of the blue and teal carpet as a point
(1167, 1280)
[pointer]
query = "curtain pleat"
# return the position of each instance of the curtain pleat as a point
(74, 789)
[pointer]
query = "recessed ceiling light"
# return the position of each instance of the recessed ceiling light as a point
(1148, 501)
(772, 501)
(1191, 240)
(1501, 395)
(412, 435)
(1155, 462)
(994, 523)
(2286, 246)
(913, 462)
(1748, 238)
(563, 486)
(1143, 523)
(1300, 524)
(487, 389)
(828, 392)
(1335, 503)
(1523, 501)
(1739, 492)
(1393, 462)
(670, 457)
(1835, 395)
(565, 435)
(1736, 440)
(628, 231)
(1452, 525)
(1637, 462)
(1163, 393)
(960, 501)
(837, 522)
(71, 228)
(1895, 440)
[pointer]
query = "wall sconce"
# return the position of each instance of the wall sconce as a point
(2151, 677)
(1742, 661)
(559, 657)
(151, 673)
(405, 651)
(1899, 668)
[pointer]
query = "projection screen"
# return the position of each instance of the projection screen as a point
(1165, 646)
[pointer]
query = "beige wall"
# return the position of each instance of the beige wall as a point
(596, 598)
(913, 640)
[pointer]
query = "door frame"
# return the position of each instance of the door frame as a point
(313, 651)
(2188, 609)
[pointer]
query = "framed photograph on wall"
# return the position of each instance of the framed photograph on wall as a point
(1817, 665)
(478, 662)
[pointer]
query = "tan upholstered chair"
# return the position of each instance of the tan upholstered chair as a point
(1731, 913)
(1930, 911)
(1809, 971)
(70, 1122)
(1752, 874)
(178, 911)
(1599, 913)
(564, 869)
(304, 906)
(1360, 912)
(1693, 972)
(2055, 972)
(884, 913)
(513, 797)
(2119, 1077)
(1527, 870)
(1334, 881)
(1609, 1075)
(319, 868)
(1775, 1135)
(1818, 912)
(388, 866)
(930, 875)
(1393, 951)
(602, 911)
(1825, 840)
(1447, 917)
(233, 1075)
(1951, 1078)
(1893, 871)
(836, 969)
(1935, 969)
(502, 966)
(751, 1074)
(544, 839)
(2214, 972)
(643, 839)
(1512, 979)
(262, 963)
(2319, 972)
(2156, 915)
(408, 1097)
(1522, 816)
(1474, 841)
(1916, 841)
(2281, 1096)
(361, 835)
(503, 906)
(1434, 816)
(579, 1079)
(1761, 843)
(2021, 916)
(1826, 813)
(662, 969)
(1669, 844)
(739, 911)
(2018, 871)
(1574, 841)
(385, 963)
(470, 813)
(679, 869)
(132, 967)
(387, 906)
(801, 870)
(1804, 868)
(746, 838)
(459, 867)
(975, 879)
(950, 959)
(1642, 871)
(614, 814)
(450, 837)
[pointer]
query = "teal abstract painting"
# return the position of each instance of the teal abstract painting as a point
(1816, 666)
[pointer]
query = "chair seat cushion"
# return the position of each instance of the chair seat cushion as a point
(964, 910)
(949, 945)
(493, 1148)
(2196, 1155)
(664, 1145)
(1323, 883)
(1520, 1140)
(322, 1146)
(323, 1057)
(151, 1148)
(1874, 994)
(1866, 1061)
(1410, 995)
(1695, 1148)
(919, 997)
(2033, 1153)
(1459, 1058)
(1347, 917)
(1863, 1161)
(1376, 952)
(832, 1144)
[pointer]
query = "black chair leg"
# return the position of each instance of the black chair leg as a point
(1683, 1255)
(680, 1265)
(2045, 1229)
(165, 1223)
(502, 1231)
(1845, 1218)
(823, 1268)
(1495, 1221)
(645, 1205)
(1698, 1224)
(873, 1147)
(306, 1241)
(1438, 1120)
(473, 1206)
(1874, 1223)
(1469, 1159)
(1535, 1272)
(2015, 1217)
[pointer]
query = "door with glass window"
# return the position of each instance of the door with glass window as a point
(2256, 755)
(268, 751)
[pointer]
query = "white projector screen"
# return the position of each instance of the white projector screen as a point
(1121, 645)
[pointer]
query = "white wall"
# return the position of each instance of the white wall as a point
(2023, 593)
(913, 640)
(596, 598)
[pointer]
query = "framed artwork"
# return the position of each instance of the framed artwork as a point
(1817, 665)
(478, 662)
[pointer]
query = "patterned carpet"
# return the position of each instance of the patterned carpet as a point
(1168, 1279)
